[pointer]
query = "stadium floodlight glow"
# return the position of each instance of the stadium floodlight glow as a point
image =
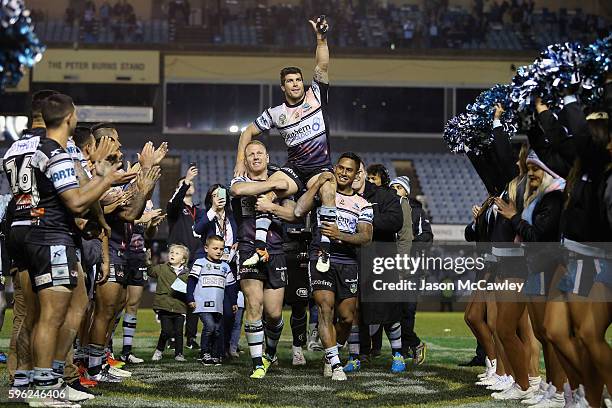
(233, 128)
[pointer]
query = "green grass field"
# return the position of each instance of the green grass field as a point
(436, 383)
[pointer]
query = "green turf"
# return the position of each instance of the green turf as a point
(437, 383)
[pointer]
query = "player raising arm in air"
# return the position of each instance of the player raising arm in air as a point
(302, 121)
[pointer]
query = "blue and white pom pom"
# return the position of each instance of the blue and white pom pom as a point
(484, 109)
(555, 70)
(20, 48)
(467, 132)
(595, 63)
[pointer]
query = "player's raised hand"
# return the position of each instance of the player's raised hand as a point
(158, 220)
(149, 215)
(122, 200)
(160, 153)
(146, 157)
(320, 26)
(106, 147)
(146, 179)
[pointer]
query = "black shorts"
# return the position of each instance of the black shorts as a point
(136, 272)
(5, 261)
(117, 274)
(301, 175)
(273, 273)
(91, 273)
(52, 265)
(16, 247)
(297, 288)
(341, 279)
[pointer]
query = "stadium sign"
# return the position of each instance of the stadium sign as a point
(98, 66)
(114, 114)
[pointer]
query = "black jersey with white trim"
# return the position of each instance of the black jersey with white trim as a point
(54, 173)
(20, 174)
(244, 213)
(304, 127)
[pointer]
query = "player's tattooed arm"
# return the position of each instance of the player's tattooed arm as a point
(320, 75)
(307, 201)
(322, 53)
(363, 235)
(284, 211)
(144, 185)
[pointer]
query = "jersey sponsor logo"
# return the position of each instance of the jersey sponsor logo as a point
(306, 107)
(290, 171)
(58, 255)
(292, 138)
(55, 152)
(58, 175)
(316, 124)
(23, 146)
(346, 224)
(42, 279)
(23, 201)
(247, 269)
(216, 281)
(302, 292)
(320, 282)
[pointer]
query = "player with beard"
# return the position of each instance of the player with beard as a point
(335, 292)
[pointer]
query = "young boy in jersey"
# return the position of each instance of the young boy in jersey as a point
(169, 305)
(205, 292)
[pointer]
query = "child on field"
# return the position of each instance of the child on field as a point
(169, 304)
(205, 291)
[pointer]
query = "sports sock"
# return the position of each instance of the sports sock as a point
(129, 329)
(254, 333)
(394, 334)
(262, 225)
(273, 334)
(43, 377)
(331, 354)
(58, 368)
(96, 359)
(325, 214)
(22, 378)
(353, 342)
(298, 329)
